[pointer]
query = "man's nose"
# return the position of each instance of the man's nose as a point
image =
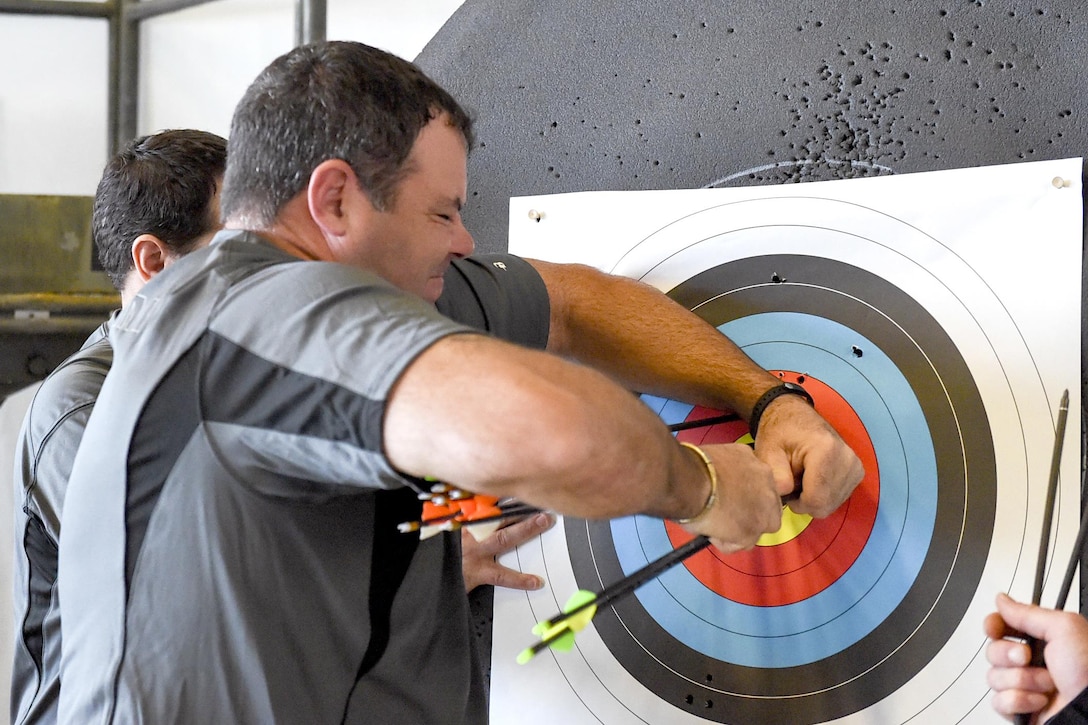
(463, 244)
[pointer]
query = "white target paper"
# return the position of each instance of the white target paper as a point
(974, 272)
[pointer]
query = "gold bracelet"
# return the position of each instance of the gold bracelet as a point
(713, 497)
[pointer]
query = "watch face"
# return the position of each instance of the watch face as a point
(785, 387)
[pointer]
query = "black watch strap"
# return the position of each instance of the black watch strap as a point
(766, 398)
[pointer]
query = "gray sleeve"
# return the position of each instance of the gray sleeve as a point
(1075, 713)
(306, 398)
(500, 294)
(52, 432)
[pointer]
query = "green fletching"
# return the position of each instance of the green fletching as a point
(564, 642)
(579, 598)
(577, 622)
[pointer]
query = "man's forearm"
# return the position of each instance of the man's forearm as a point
(646, 341)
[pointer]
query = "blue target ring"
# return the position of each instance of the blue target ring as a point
(863, 597)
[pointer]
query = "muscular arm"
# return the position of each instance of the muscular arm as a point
(499, 419)
(649, 343)
(646, 341)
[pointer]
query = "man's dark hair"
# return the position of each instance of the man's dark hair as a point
(329, 100)
(162, 184)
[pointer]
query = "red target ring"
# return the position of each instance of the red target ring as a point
(805, 564)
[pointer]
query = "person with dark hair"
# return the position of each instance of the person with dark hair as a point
(290, 391)
(162, 190)
(156, 201)
(1055, 693)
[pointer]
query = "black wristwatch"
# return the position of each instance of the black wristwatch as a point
(766, 398)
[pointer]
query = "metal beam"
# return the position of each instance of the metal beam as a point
(113, 86)
(126, 44)
(59, 7)
(151, 8)
(310, 21)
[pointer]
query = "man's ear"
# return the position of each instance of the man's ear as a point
(149, 256)
(332, 196)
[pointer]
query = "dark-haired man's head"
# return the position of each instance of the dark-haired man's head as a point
(157, 200)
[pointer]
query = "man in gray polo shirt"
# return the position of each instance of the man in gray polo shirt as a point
(240, 561)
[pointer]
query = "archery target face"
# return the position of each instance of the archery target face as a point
(872, 615)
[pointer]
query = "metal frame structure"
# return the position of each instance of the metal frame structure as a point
(124, 18)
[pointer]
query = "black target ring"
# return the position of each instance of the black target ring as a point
(893, 653)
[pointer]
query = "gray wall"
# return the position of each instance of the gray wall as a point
(602, 94)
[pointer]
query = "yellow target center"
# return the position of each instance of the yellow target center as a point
(792, 526)
(792, 523)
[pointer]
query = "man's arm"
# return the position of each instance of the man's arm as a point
(651, 344)
(646, 341)
(503, 420)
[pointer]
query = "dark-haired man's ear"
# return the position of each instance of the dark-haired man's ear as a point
(149, 256)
